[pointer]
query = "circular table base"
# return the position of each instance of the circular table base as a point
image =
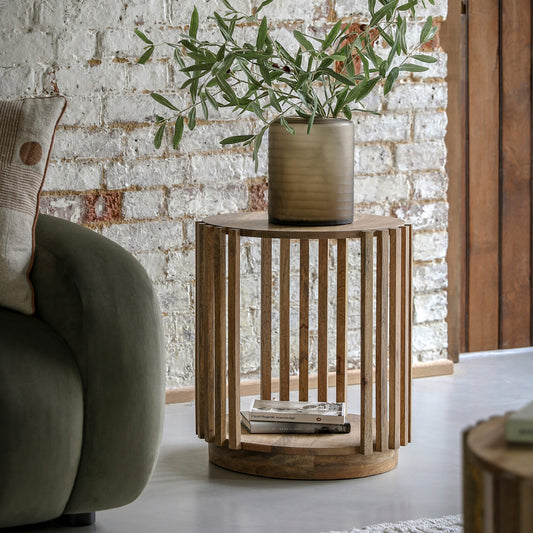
(303, 466)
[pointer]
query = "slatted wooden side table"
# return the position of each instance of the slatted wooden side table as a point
(497, 481)
(372, 445)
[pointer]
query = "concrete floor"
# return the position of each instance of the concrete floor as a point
(187, 494)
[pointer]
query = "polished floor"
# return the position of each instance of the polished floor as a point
(189, 495)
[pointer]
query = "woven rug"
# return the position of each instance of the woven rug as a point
(446, 524)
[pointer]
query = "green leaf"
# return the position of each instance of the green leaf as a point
(159, 135)
(391, 78)
(193, 28)
(338, 57)
(263, 4)
(332, 35)
(312, 119)
(425, 58)
(236, 139)
(411, 67)
(372, 6)
(388, 38)
(261, 34)
(192, 119)
(142, 36)
(229, 6)
(339, 77)
(287, 126)
(227, 90)
(163, 101)
(212, 101)
(146, 56)
(303, 41)
(205, 110)
(257, 144)
(426, 30)
(365, 88)
(386, 11)
(178, 131)
(347, 112)
(274, 102)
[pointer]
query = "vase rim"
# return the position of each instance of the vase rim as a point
(318, 120)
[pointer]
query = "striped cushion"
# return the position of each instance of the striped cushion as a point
(27, 130)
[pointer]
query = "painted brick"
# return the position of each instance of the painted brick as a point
(155, 265)
(62, 176)
(421, 156)
(430, 336)
(86, 79)
(432, 276)
(146, 236)
(143, 204)
(226, 166)
(430, 185)
(147, 173)
(415, 96)
(145, 12)
(430, 246)
(18, 81)
(17, 15)
(429, 126)
(430, 307)
(88, 143)
(381, 188)
(372, 159)
(180, 14)
(72, 50)
(204, 201)
(424, 216)
(181, 266)
(153, 75)
(14, 46)
(71, 208)
(304, 10)
(381, 128)
(351, 8)
(83, 111)
(79, 16)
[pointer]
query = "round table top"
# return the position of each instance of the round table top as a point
(487, 443)
(256, 224)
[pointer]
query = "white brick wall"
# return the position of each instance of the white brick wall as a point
(105, 173)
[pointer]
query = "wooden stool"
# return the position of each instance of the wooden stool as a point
(497, 481)
(372, 446)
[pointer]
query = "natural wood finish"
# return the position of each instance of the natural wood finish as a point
(218, 318)
(220, 336)
(497, 481)
(209, 361)
(252, 387)
(198, 338)
(453, 40)
(367, 330)
(291, 456)
(234, 364)
(284, 317)
(395, 321)
(409, 312)
(303, 340)
(483, 157)
(405, 341)
(255, 224)
(342, 317)
(516, 149)
(266, 319)
(323, 267)
(382, 340)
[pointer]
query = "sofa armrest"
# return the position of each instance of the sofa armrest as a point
(101, 301)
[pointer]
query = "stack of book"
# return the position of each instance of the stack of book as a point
(272, 416)
(519, 426)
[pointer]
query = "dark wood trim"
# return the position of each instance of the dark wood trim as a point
(453, 39)
(440, 367)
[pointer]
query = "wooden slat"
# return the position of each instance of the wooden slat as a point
(483, 200)
(323, 254)
(220, 336)
(367, 329)
(382, 336)
(234, 373)
(395, 338)
(284, 317)
(304, 322)
(266, 319)
(410, 329)
(404, 349)
(342, 317)
(515, 297)
(209, 333)
(199, 348)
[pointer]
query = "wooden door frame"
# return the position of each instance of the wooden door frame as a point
(453, 36)
(489, 164)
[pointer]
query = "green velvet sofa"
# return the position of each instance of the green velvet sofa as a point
(81, 382)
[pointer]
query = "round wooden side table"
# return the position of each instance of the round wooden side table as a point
(386, 307)
(497, 481)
